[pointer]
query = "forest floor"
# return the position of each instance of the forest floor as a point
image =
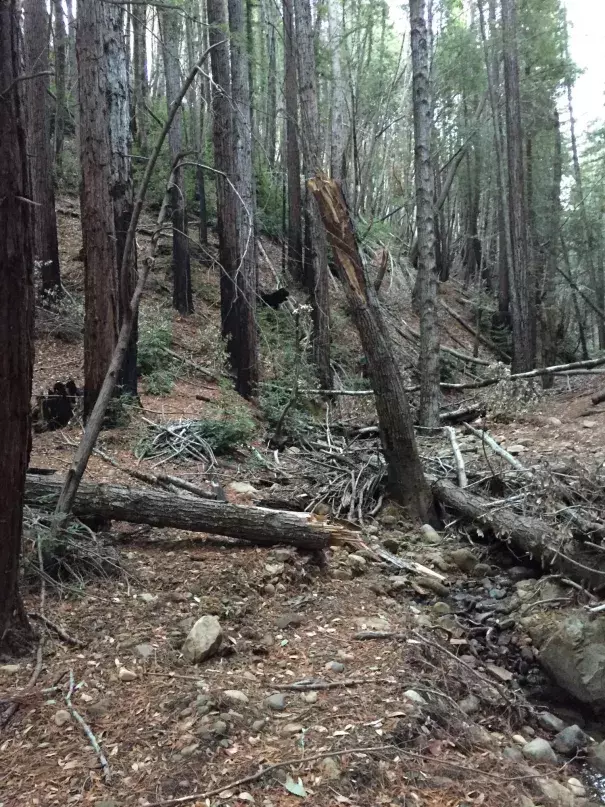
(389, 722)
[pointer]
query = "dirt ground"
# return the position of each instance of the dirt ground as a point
(169, 729)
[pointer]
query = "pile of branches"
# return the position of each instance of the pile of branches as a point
(176, 440)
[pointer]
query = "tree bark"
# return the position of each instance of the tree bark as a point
(159, 509)
(140, 82)
(529, 535)
(316, 252)
(338, 109)
(196, 115)
(406, 478)
(16, 326)
(60, 47)
(295, 242)
(428, 412)
(522, 297)
(98, 223)
(46, 246)
(245, 349)
(182, 299)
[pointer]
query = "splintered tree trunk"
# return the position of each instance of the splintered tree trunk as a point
(46, 245)
(428, 413)
(245, 281)
(295, 248)
(139, 65)
(522, 298)
(182, 299)
(60, 47)
(118, 100)
(98, 224)
(406, 477)
(16, 327)
(316, 252)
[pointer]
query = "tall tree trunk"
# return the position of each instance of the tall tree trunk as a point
(316, 251)
(60, 46)
(339, 102)
(521, 280)
(46, 247)
(295, 248)
(139, 69)
(196, 115)
(428, 413)
(121, 183)
(98, 223)
(406, 477)
(271, 114)
(182, 299)
(245, 281)
(548, 307)
(16, 327)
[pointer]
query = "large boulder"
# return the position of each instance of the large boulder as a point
(204, 639)
(572, 651)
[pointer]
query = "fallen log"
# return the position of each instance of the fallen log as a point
(162, 509)
(553, 549)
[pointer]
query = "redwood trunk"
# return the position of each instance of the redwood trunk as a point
(60, 46)
(98, 225)
(406, 477)
(295, 243)
(46, 246)
(16, 325)
(140, 82)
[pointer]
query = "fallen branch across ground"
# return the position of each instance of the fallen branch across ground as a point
(162, 509)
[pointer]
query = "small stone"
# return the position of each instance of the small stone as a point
(539, 750)
(242, 488)
(148, 598)
(287, 620)
(570, 740)
(482, 570)
(341, 574)
(310, 697)
(274, 569)
(62, 717)
(596, 757)
(220, 728)
(236, 696)
(372, 623)
(519, 739)
(284, 555)
(9, 669)
(329, 769)
(397, 583)
(555, 793)
(469, 705)
(126, 675)
(513, 754)
(258, 725)
(518, 449)
(497, 593)
(335, 666)
(528, 732)
(276, 702)
(357, 564)
(441, 608)
(391, 543)
(464, 559)
(576, 787)
(342, 655)
(434, 585)
(144, 651)
(415, 697)
(188, 750)
(589, 424)
(547, 720)
(388, 520)
(269, 589)
(203, 640)
(249, 676)
(291, 728)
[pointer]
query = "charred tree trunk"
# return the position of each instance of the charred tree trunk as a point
(16, 327)
(140, 82)
(406, 478)
(425, 222)
(316, 250)
(60, 47)
(46, 246)
(159, 509)
(121, 184)
(295, 243)
(98, 224)
(197, 130)
(182, 299)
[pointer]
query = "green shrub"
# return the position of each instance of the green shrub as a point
(156, 366)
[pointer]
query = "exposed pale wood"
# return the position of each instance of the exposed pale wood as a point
(161, 509)
(462, 478)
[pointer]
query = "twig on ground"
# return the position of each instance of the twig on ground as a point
(310, 686)
(61, 633)
(462, 478)
(486, 437)
(86, 729)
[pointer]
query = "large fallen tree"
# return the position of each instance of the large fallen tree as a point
(258, 525)
(543, 543)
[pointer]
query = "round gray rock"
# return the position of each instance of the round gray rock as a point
(276, 702)
(570, 740)
(204, 639)
(550, 722)
(539, 750)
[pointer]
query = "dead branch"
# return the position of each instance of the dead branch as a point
(61, 632)
(311, 686)
(486, 437)
(462, 479)
(86, 729)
